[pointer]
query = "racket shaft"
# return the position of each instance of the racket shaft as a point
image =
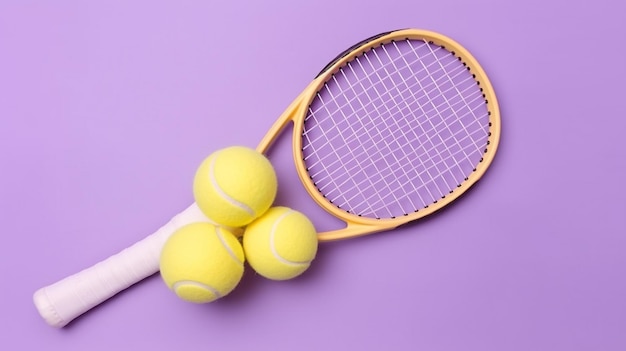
(61, 302)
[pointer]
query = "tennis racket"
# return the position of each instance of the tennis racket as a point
(393, 129)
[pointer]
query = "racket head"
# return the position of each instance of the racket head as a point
(393, 129)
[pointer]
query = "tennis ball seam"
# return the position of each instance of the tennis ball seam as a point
(226, 246)
(209, 288)
(223, 194)
(273, 246)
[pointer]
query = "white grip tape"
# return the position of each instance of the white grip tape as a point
(61, 302)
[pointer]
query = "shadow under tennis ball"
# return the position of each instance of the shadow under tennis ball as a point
(329, 255)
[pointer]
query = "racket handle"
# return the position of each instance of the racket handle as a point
(61, 302)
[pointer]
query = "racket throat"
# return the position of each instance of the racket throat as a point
(280, 124)
(355, 229)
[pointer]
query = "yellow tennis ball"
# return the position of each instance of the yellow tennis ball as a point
(201, 262)
(235, 185)
(281, 244)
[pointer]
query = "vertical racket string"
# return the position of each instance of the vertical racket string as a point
(374, 115)
(447, 101)
(333, 171)
(339, 158)
(451, 108)
(395, 67)
(394, 117)
(388, 128)
(424, 184)
(456, 87)
(324, 135)
(365, 127)
(381, 132)
(358, 166)
(466, 97)
(366, 130)
(431, 99)
(442, 160)
(348, 102)
(380, 98)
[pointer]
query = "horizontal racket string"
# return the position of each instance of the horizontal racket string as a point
(366, 150)
(425, 183)
(383, 172)
(388, 145)
(388, 168)
(364, 107)
(455, 88)
(364, 129)
(420, 176)
(430, 100)
(312, 112)
(461, 70)
(380, 191)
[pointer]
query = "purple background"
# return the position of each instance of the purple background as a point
(107, 108)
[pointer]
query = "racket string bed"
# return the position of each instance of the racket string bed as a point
(394, 130)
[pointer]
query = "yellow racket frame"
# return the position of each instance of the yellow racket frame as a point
(297, 110)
